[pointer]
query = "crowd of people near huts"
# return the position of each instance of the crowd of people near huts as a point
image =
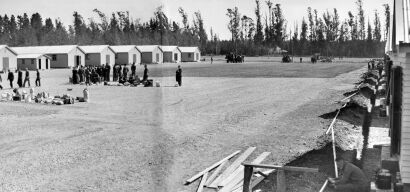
(20, 82)
(98, 74)
(122, 74)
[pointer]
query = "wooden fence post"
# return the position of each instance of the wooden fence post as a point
(247, 178)
(281, 181)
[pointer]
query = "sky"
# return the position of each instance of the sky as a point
(213, 11)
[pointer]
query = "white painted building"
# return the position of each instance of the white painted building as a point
(171, 54)
(398, 48)
(33, 61)
(190, 54)
(96, 55)
(62, 56)
(127, 54)
(8, 58)
(150, 54)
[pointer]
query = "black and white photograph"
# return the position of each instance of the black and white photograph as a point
(204, 95)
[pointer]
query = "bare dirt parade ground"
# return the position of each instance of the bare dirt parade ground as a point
(153, 138)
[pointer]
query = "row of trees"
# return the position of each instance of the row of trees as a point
(119, 28)
(324, 32)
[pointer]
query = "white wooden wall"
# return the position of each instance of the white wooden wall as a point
(405, 135)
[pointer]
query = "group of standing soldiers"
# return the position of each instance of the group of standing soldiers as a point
(91, 74)
(20, 82)
(98, 74)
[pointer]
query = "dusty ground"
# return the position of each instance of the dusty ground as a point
(152, 139)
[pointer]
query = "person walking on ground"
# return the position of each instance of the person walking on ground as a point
(27, 78)
(179, 75)
(10, 77)
(352, 180)
(20, 78)
(212, 59)
(133, 69)
(38, 83)
(145, 77)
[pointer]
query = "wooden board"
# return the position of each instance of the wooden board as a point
(215, 173)
(195, 177)
(286, 168)
(232, 167)
(239, 177)
(203, 180)
(280, 181)
(259, 178)
(240, 170)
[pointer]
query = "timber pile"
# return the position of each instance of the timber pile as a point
(224, 176)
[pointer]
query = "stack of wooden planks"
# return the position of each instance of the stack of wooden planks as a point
(224, 176)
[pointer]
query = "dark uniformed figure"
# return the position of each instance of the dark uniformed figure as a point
(145, 77)
(107, 72)
(10, 77)
(38, 83)
(1, 87)
(20, 78)
(119, 72)
(125, 72)
(352, 180)
(178, 75)
(75, 75)
(81, 74)
(27, 78)
(87, 73)
(114, 72)
(133, 69)
(301, 59)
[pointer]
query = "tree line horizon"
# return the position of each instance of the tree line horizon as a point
(323, 33)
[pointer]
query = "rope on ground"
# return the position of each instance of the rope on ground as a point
(334, 119)
(333, 145)
(334, 152)
(324, 186)
(358, 87)
(350, 96)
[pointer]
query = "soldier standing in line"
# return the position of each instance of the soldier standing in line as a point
(87, 73)
(10, 78)
(133, 69)
(179, 75)
(81, 74)
(107, 72)
(119, 72)
(27, 79)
